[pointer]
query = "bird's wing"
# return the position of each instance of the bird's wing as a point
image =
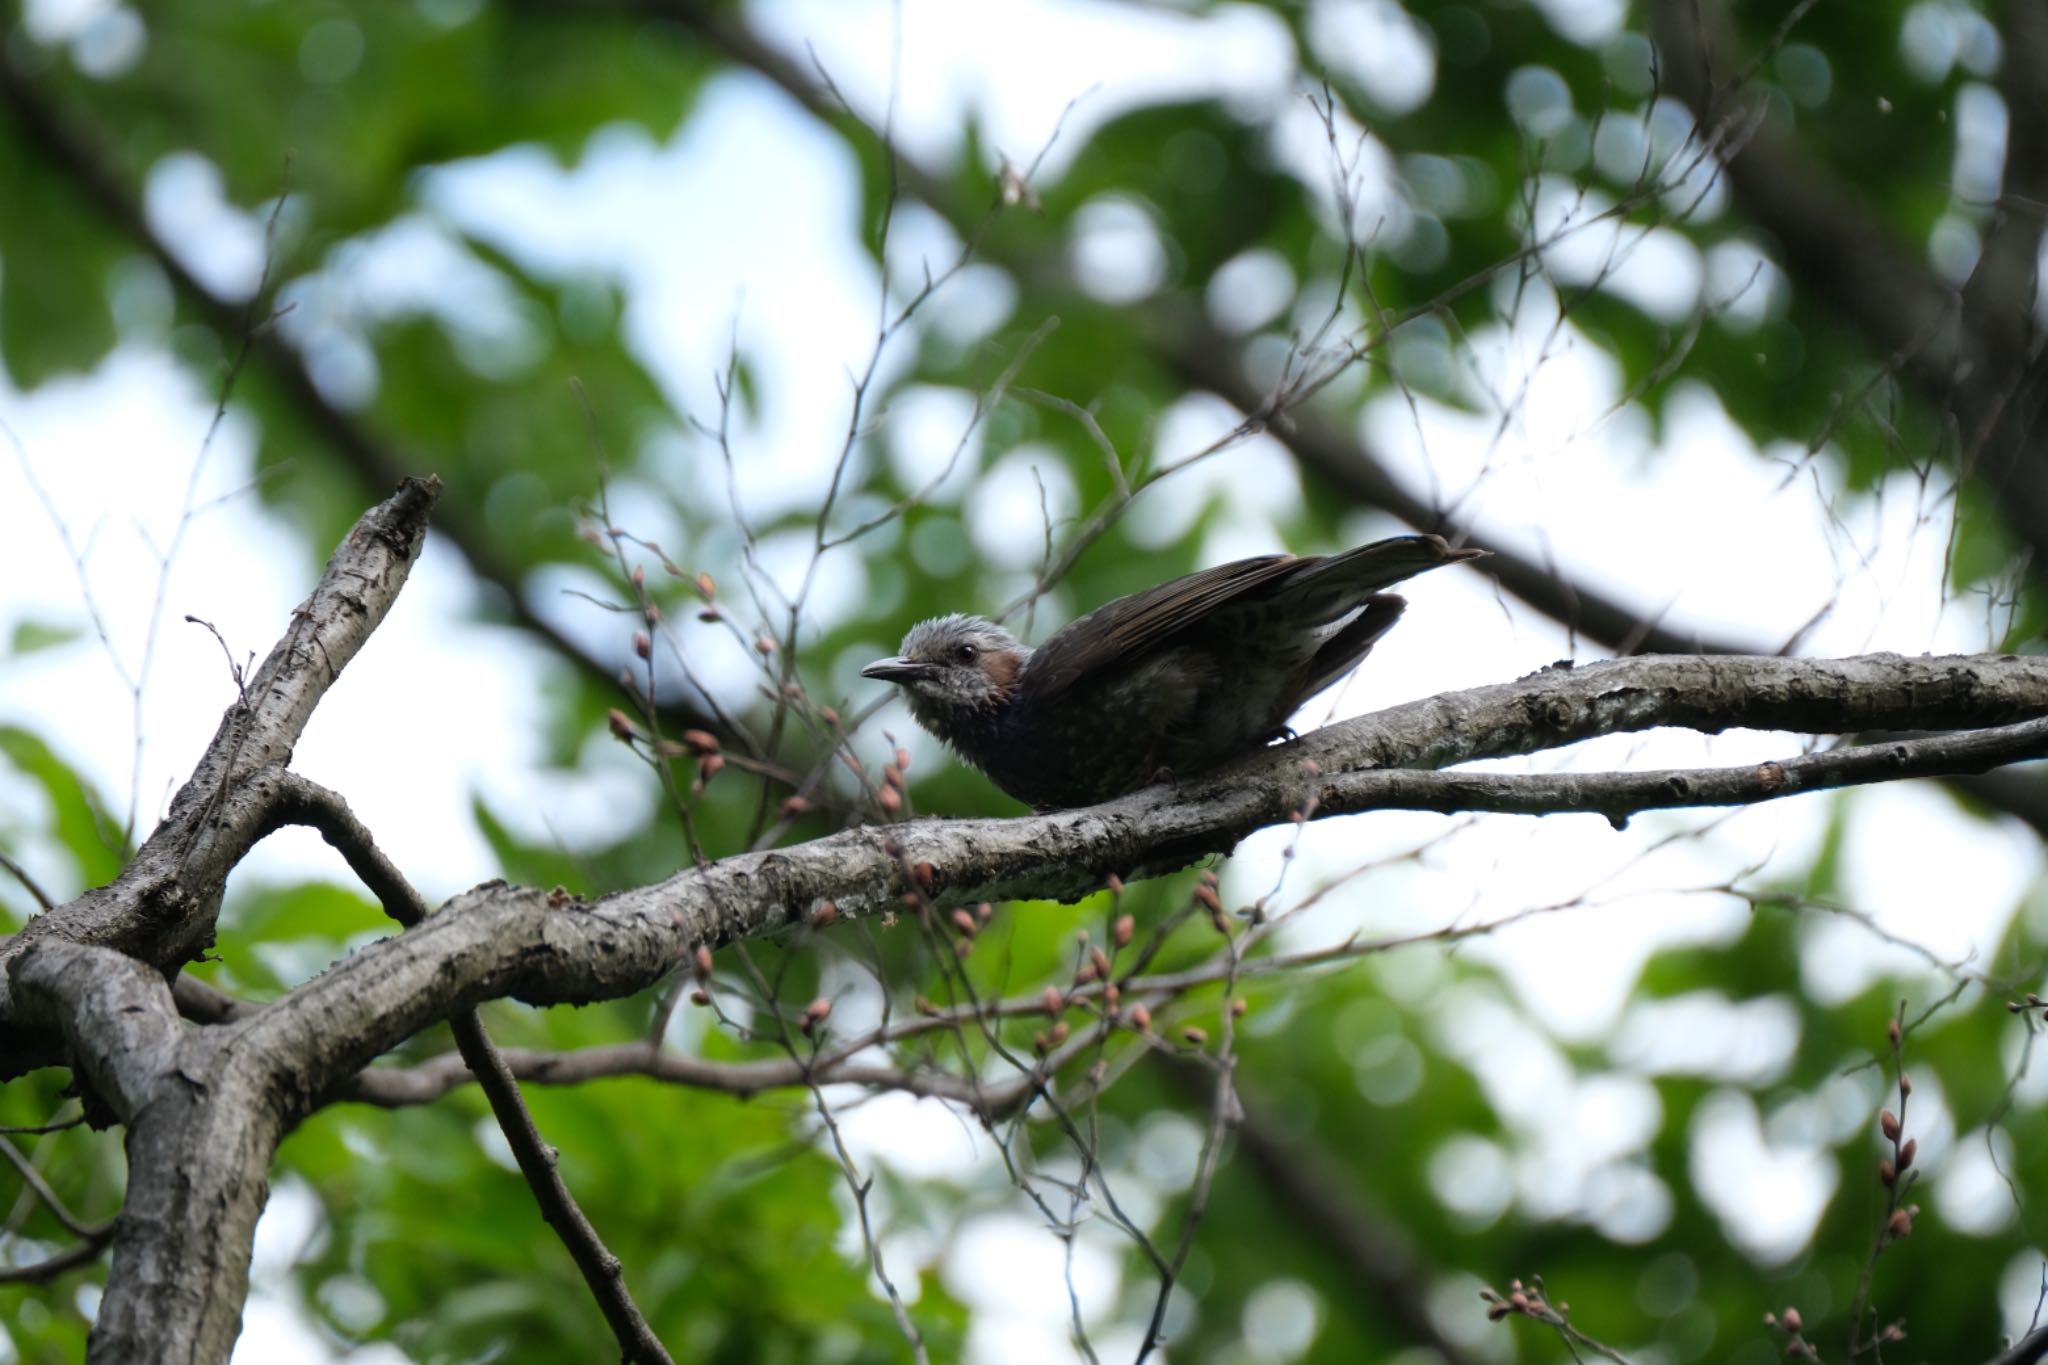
(1321, 590)
(1124, 629)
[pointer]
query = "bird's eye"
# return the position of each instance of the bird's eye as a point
(966, 654)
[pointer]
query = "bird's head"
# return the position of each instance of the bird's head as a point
(954, 669)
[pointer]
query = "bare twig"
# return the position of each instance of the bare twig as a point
(302, 801)
(1896, 1174)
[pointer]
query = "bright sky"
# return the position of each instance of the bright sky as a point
(108, 460)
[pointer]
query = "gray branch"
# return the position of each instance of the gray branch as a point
(161, 908)
(203, 1119)
(498, 940)
(86, 983)
(205, 1103)
(395, 1087)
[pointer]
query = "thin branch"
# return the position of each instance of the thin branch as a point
(37, 1129)
(39, 1187)
(28, 882)
(1325, 1199)
(392, 1087)
(303, 802)
(1620, 795)
(89, 1249)
(2028, 1350)
(1897, 1175)
(1530, 1301)
(1225, 1110)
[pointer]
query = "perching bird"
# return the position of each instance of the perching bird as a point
(1162, 683)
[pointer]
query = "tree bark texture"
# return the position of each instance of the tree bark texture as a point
(205, 1104)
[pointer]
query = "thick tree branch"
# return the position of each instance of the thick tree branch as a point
(499, 940)
(204, 1004)
(112, 1012)
(162, 906)
(203, 1122)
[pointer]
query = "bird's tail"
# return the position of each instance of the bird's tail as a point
(1336, 586)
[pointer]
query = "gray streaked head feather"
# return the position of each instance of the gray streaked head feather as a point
(939, 639)
(973, 665)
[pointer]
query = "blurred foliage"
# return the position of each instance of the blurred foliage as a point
(732, 1217)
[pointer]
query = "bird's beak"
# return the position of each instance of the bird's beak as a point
(897, 670)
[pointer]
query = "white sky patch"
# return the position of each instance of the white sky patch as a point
(1250, 290)
(185, 202)
(1768, 1196)
(1011, 1271)
(1915, 898)
(2020, 1292)
(919, 1137)
(1010, 508)
(1743, 287)
(1940, 35)
(1389, 53)
(1578, 1137)
(2022, 1057)
(1361, 175)
(1870, 579)
(1118, 256)
(1471, 1176)
(89, 441)
(1017, 68)
(1971, 1194)
(59, 21)
(779, 246)
(432, 684)
(934, 442)
(1280, 1320)
(1704, 1033)
(1244, 489)
(1586, 22)
(413, 266)
(1656, 269)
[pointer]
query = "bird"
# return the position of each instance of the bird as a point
(1161, 684)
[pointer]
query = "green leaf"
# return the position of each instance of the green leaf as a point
(31, 637)
(79, 817)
